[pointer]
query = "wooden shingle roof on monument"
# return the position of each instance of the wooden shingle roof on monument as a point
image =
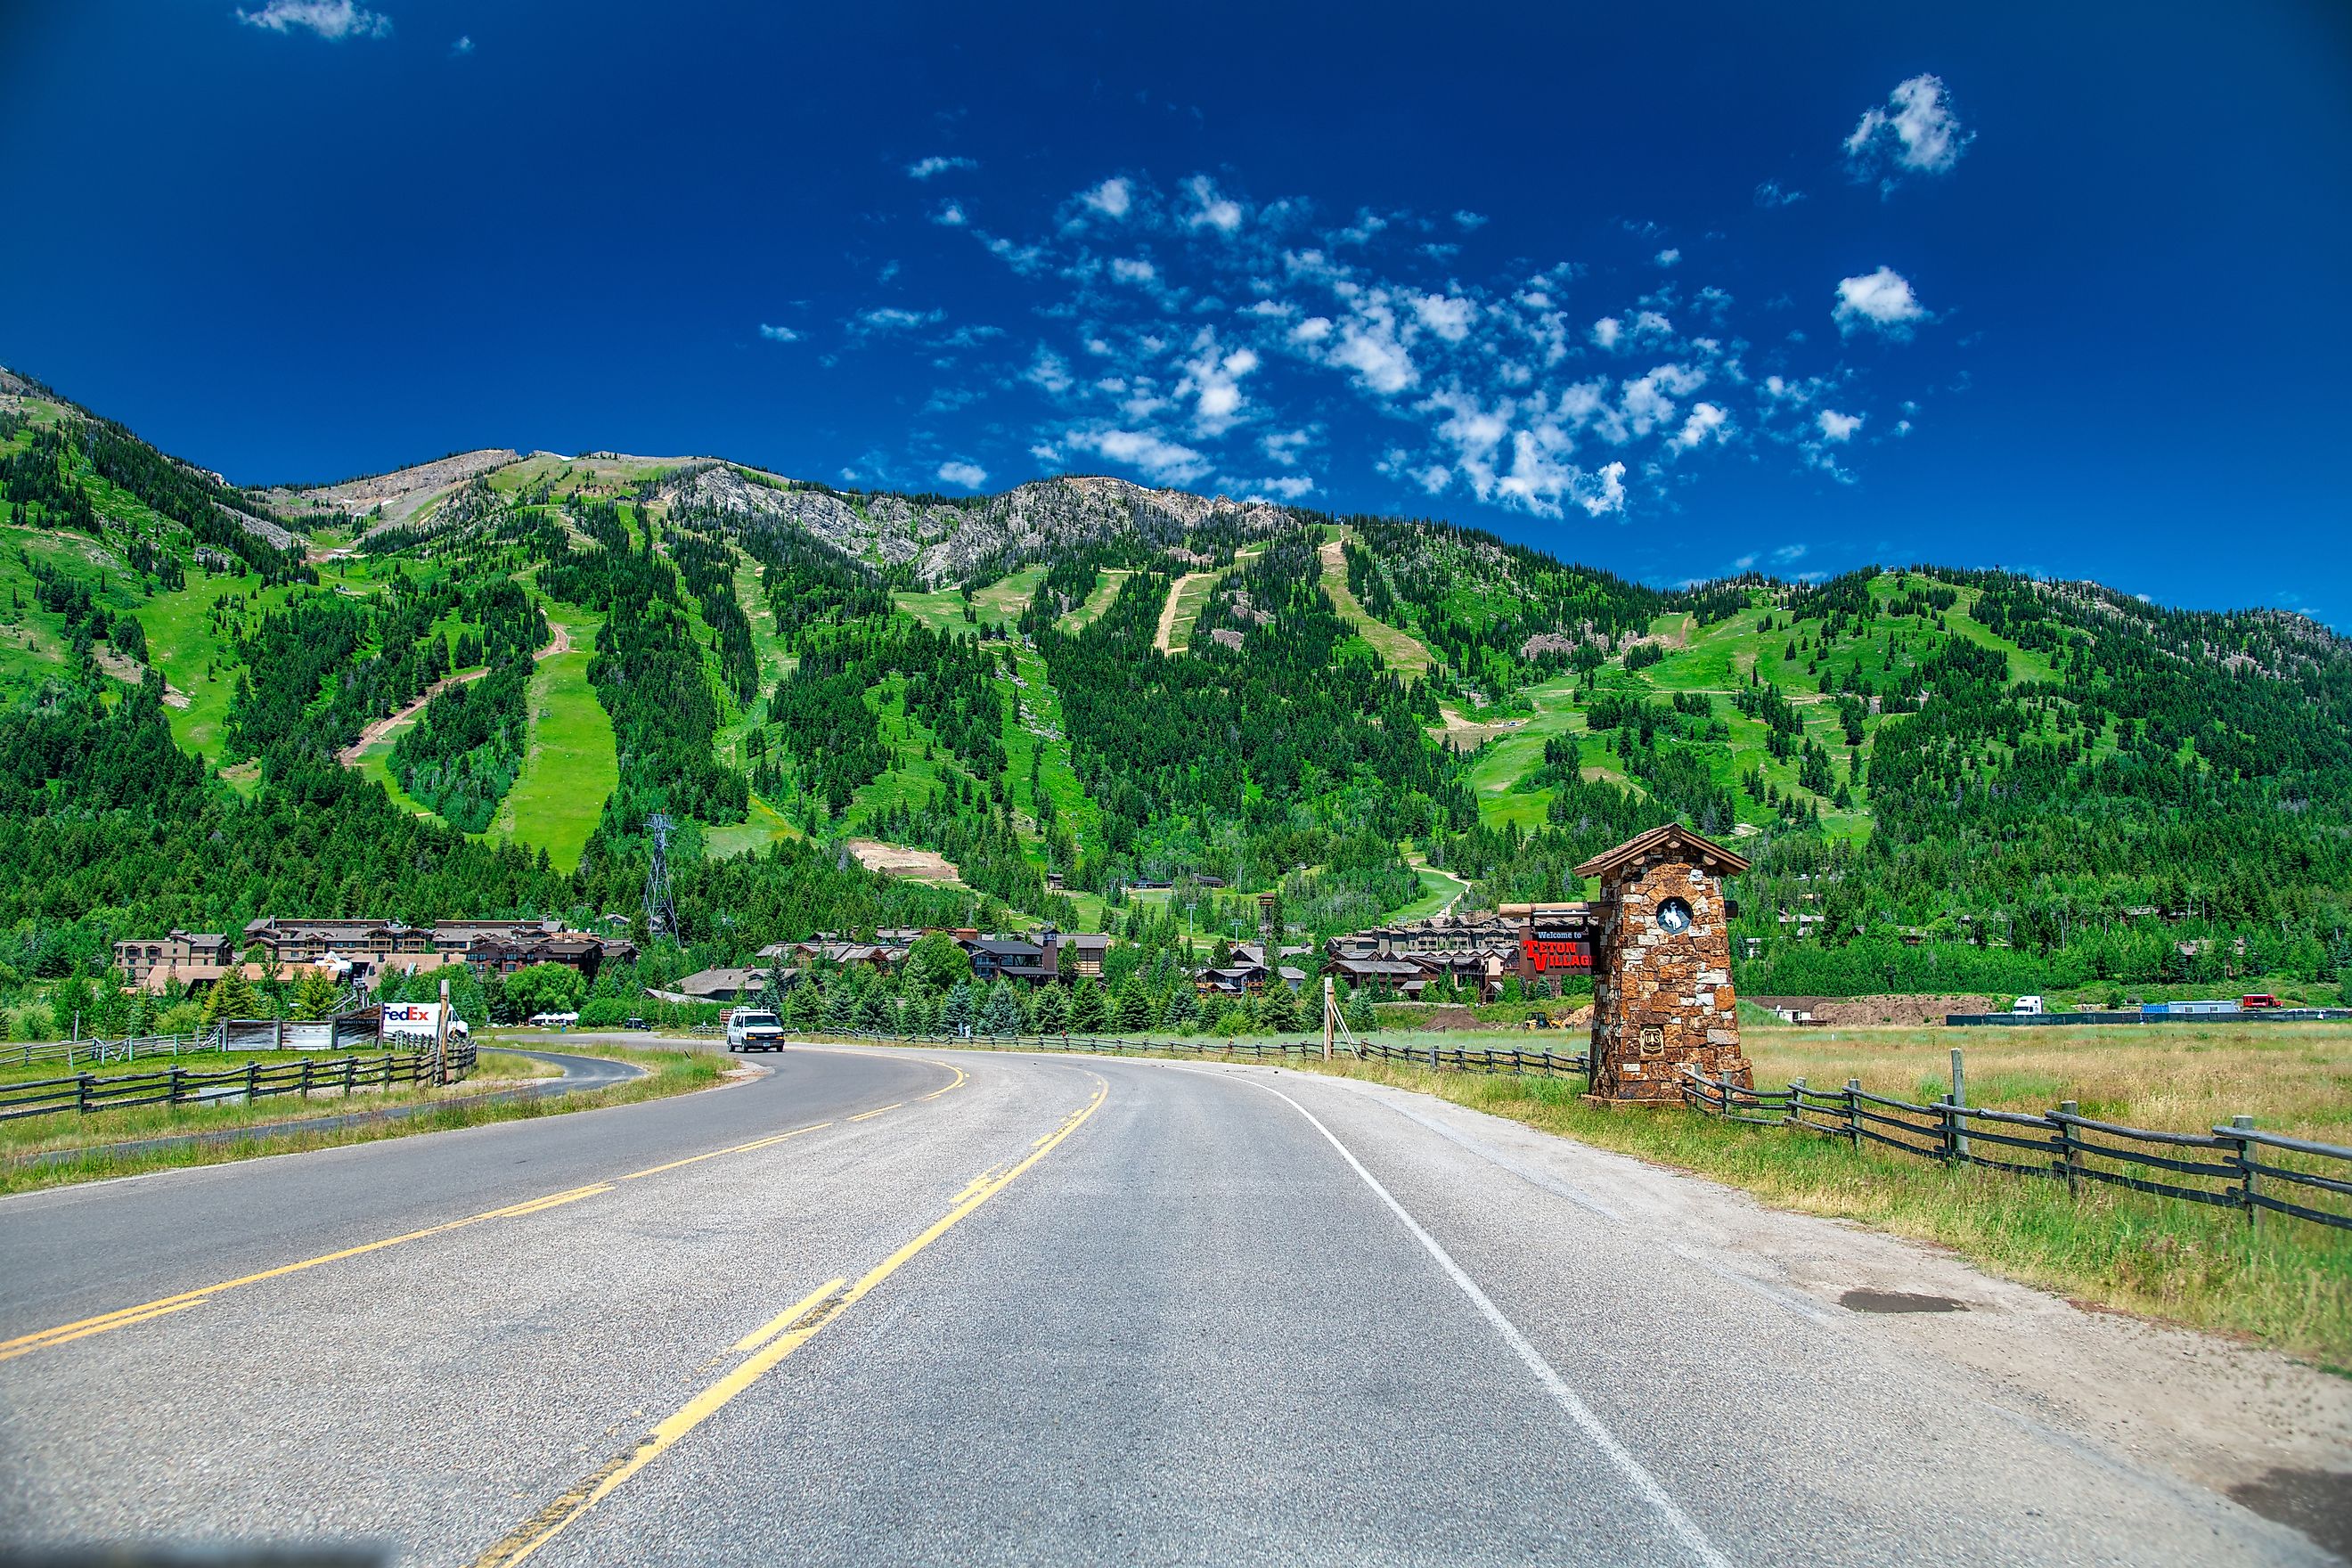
(1702, 850)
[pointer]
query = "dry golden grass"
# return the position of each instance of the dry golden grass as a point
(2294, 1078)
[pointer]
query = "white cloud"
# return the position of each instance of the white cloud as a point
(1787, 553)
(1275, 488)
(891, 318)
(1369, 346)
(1836, 427)
(1915, 132)
(1284, 446)
(970, 337)
(333, 20)
(1129, 269)
(779, 334)
(1449, 316)
(1212, 380)
(1469, 219)
(1772, 193)
(950, 216)
(1027, 260)
(1272, 310)
(924, 168)
(1706, 422)
(1313, 330)
(1213, 210)
(1050, 373)
(464, 45)
(1646, 404)
(1881, 301)
(1112, 198)
(970, 476)
(1668, 256)
(1164, 461)
(1607, 330)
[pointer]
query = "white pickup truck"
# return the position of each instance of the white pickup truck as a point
(754, 1029)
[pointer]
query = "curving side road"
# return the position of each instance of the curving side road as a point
(886, 1306)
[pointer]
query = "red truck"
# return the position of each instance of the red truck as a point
(2257, 1002)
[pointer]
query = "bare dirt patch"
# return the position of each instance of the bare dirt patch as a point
(904, 860)
(1465, 734)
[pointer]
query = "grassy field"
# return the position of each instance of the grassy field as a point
(571, 766)
(1438, 889)
(1402, 651)
(375, 762)
(760, 827)
(2290, 1285)
(1082, 616)
(998, 605)
(667, 1072)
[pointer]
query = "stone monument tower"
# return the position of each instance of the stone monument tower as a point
(1661, 996)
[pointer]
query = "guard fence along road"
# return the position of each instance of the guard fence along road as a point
(2237, 1167)
(1484, 1059)
(87, 1093)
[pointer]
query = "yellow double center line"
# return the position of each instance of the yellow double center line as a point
(66, 1334)
(770, 1345)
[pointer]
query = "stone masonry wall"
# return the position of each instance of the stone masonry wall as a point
(1660, 1002)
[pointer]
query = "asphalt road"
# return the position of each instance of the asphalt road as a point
(916, 1307)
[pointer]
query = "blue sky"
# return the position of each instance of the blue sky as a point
(1672, 290)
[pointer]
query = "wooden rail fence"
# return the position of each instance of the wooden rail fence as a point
(1482, 1059)
(88, 1092)
(2226, 1168)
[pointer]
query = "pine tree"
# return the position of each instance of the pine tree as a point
(1002, 1013)
(1086, 1009)
(232, 996)
(956, 1012)
(1052, 1010)
(1132, 1013)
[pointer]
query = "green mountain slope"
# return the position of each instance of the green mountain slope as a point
(463, 688)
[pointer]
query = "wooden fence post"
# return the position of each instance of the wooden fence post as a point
(1795, 1114)
(1854, 1113)
(82, 1093)
(2250, 1180)
(1959, 1098)
(2070, 1160)
(178, 1089)
(252, 1081)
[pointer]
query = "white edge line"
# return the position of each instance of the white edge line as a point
(1685, 1528)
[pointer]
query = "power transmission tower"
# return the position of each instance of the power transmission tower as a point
(661, 915)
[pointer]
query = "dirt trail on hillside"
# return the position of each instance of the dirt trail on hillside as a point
(350, 755)
(1168, 611)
